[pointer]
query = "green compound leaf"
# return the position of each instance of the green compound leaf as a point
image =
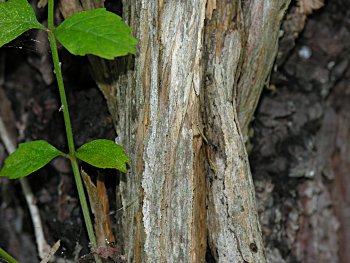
(103, 154)
(16, 17)
(97, 32)
(28, 158)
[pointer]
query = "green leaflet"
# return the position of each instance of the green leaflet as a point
(103, 154)
(28, 158)
(97, 32)
(16, 17)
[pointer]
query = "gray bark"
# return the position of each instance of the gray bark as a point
(239, 58)
(186, 61)
(175, 108)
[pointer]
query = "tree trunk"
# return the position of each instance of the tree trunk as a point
(181, 109)
(176, 112)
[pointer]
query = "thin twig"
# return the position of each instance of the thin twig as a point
(52, 252)
(43, 247)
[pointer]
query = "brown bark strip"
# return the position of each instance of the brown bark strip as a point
(199, 231)
(99, 204)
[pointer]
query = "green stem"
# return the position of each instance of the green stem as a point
(69, 133)
(7, 257)
(50, 14)
(83, 202)
(57, 67)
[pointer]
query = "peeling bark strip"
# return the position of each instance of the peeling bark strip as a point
(186, 67)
